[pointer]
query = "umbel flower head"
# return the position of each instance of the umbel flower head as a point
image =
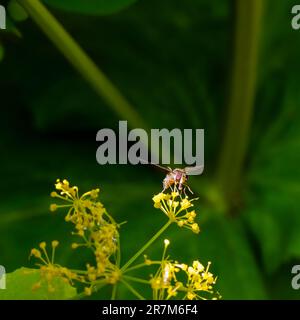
(49, 270)
(177, 209)
(193, 282)
(96, 230)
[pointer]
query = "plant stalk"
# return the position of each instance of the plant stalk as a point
(82, 62)
(134, 257)
(241, 98)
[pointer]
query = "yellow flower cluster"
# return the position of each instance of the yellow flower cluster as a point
(97, 231)
(198, 281)
(177, 209)
(85, 212)
(49, 270)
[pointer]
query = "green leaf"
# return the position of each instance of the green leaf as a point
(272, 201)
(20, 282)
(272, 205)
(93, 7)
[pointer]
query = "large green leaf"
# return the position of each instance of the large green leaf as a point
(272, 205)
(94, 7)
(273, 201)
(20, 282)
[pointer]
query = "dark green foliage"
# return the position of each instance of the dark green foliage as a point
(94, 7)
(172, 60)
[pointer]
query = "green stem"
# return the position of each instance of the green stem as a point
(99, 285)
(82, 62)
(78, 271)
(133, 258)
(135, 279)
(137, 294)
(114, 292)
(241, 97)
(142, 265)
(118, 260)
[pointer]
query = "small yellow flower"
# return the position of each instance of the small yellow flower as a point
(74, 245)
(199, 280)
(198, 266)
(185, 204)
(157, 198)
(148, 262)
(195, 228)
(180, 223)
(191, 214)
(54, 243)
(43, 245)
(174, 194)
(172, 292)
(190, 296)
(36, 253)
(94, 193)
(183, 266)
(49, 270)
(114, 277)
(176, 208)
(53, 207)
(175, 204)
(88, 291)
(81, 233)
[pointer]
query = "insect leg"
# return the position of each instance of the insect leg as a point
(181, 183)
(189, 189)
(184, 191)
(175, 187)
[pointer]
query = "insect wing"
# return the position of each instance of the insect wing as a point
(161, 167)
(194, 171)
(154, 164)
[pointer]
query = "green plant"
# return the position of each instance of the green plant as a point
(249, 203)
(98, 233)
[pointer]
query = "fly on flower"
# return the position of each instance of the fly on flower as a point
(178, 177)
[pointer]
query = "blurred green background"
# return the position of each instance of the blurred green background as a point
(182, 64)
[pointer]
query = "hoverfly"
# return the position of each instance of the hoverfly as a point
(178, 177)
